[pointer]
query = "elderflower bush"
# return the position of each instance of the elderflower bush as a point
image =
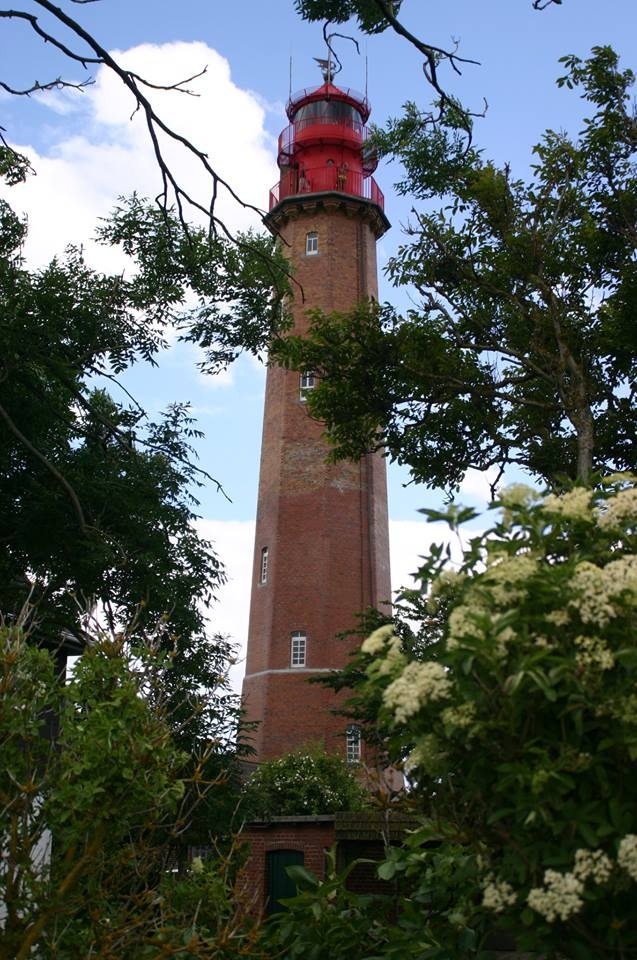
(518, 732)
(307, 782)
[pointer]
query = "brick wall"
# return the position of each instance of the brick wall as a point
(324, 525)
(311, 835)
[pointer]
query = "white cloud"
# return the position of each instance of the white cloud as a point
(234, 543)
(223, 378)
(410, 542)
(477, 485)
(81, 174)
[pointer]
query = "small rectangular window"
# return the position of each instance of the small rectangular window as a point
(311, 243)
(307, 382)
(353, 744)
(263, 576)
(298, 649)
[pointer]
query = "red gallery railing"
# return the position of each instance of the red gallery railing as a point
(326, 179)
(302, 130)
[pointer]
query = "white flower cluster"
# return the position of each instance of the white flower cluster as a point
(624, 708)
(514, 496)
(444, 583)
(593, 653)
(463, 624)
(558, 617)
(574, 505)
(377, 641)
(543, 642)
(512, 569)
(560, 897)
(503, 637)
(418, 683)
(598, 588)
(448, 579)
(518, 495)
(427, 754)
(385, 645)
(620, 510)
(505, 578)
(627, 854)
(593, 864)
(497, 894)
(462, 716)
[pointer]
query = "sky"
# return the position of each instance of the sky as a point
(87, 151)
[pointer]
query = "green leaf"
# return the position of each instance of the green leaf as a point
(589, 834)
(387, 870)
(304, 879)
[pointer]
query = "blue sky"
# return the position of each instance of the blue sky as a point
(86, 152)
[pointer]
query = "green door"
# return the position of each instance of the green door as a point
(278, 884)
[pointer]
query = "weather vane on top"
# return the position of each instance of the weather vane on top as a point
(327, 68)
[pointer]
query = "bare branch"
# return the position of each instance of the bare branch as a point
(37, 87)
(433, 57)
(178, 87)
(328, 37)
(172, 190)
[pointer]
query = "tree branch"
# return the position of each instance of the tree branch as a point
(49, 466)
(37, 87)
(172, 190)
(433, 56)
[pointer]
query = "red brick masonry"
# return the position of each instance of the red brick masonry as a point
(311, 835)
(324, 525)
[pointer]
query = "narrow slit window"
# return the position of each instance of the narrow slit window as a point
(298, 649)
(353, 744)
(311, 243)
(263, 573)
(307, 382)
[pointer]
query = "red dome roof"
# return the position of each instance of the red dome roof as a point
(328, 91)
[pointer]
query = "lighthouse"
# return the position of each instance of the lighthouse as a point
(321, 552)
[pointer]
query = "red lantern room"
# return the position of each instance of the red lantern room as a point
(325, 148)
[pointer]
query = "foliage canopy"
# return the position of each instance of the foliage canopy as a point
(97, 500)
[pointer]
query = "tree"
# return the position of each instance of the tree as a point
(88, 827)
(97, 501)
(522, 348)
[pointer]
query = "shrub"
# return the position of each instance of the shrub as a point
(518, 729)
(308, 781)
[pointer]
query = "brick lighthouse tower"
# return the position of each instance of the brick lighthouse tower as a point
(321, 549)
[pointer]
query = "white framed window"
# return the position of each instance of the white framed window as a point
(307, 382)
(353, 744)
(298, 648)
(311, 243)
(263, 571)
